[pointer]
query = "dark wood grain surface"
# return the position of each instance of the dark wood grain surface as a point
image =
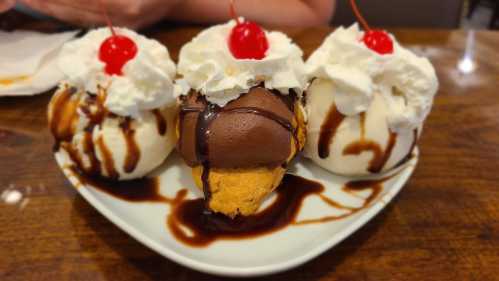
(443, 226)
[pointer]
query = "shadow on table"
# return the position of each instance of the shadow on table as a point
(123, 258)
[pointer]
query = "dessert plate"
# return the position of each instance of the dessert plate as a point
(270, 253)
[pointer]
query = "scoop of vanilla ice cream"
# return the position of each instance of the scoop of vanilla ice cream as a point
(122, 126)
(320, 100)
(391, 95)
(153, 147)
(152, 138)
(407, 82)
(207, 66)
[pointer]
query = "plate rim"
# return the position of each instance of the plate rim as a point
(230, 271)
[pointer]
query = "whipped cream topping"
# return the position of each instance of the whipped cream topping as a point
(407, 82)
(208, 66)
(147, 80)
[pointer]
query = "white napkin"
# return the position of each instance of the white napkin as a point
(28, 61)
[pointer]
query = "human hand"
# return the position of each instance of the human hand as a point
(6, 5)
(128, 13)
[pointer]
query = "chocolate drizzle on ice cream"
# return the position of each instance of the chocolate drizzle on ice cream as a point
(380, 156)
(205, 117)
(332, 122)
(63, 116)
(328, 130)
(133, 152)
(70, 109)
(107, 159)
(161, 123)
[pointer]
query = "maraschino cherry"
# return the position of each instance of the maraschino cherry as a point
(116, 50)
(375, 39)
(247, 39)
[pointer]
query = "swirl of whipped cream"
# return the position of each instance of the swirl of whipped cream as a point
(147, 80)
(208, 66)
(407, 82)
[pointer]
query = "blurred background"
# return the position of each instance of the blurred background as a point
(443, 14)
(467, 14)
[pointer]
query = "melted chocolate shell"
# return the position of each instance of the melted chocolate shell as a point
(254, 130)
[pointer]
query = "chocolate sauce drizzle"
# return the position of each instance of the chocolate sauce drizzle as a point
(205, 118)
(96, 117)
(160, 122)
(207, 227)
(107, 159)
(410, 154)
(328, 130)
(352, 187)
(64, 119)
(362, 119)
(392, 141)
(89, 150)
(380, 157)
(138, 190)
(264, 113)
(288, 100)
(133, 152)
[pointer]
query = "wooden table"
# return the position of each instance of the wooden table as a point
(443, 226)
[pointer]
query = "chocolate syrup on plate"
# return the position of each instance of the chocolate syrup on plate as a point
(352, 187)
(139, 190)
(206, 227)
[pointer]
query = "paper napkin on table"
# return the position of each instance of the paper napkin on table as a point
(28, 61)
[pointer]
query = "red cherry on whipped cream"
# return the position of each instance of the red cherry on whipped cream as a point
(115, 51)
(378, 41)
(247, 39)
(375, 39)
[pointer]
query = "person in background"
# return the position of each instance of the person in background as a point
(138, 14)
(6, 5)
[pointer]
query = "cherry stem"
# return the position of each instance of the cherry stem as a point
(359, 15)
(233, 11)
(106, 15)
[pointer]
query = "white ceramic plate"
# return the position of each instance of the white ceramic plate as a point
(279, 251)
